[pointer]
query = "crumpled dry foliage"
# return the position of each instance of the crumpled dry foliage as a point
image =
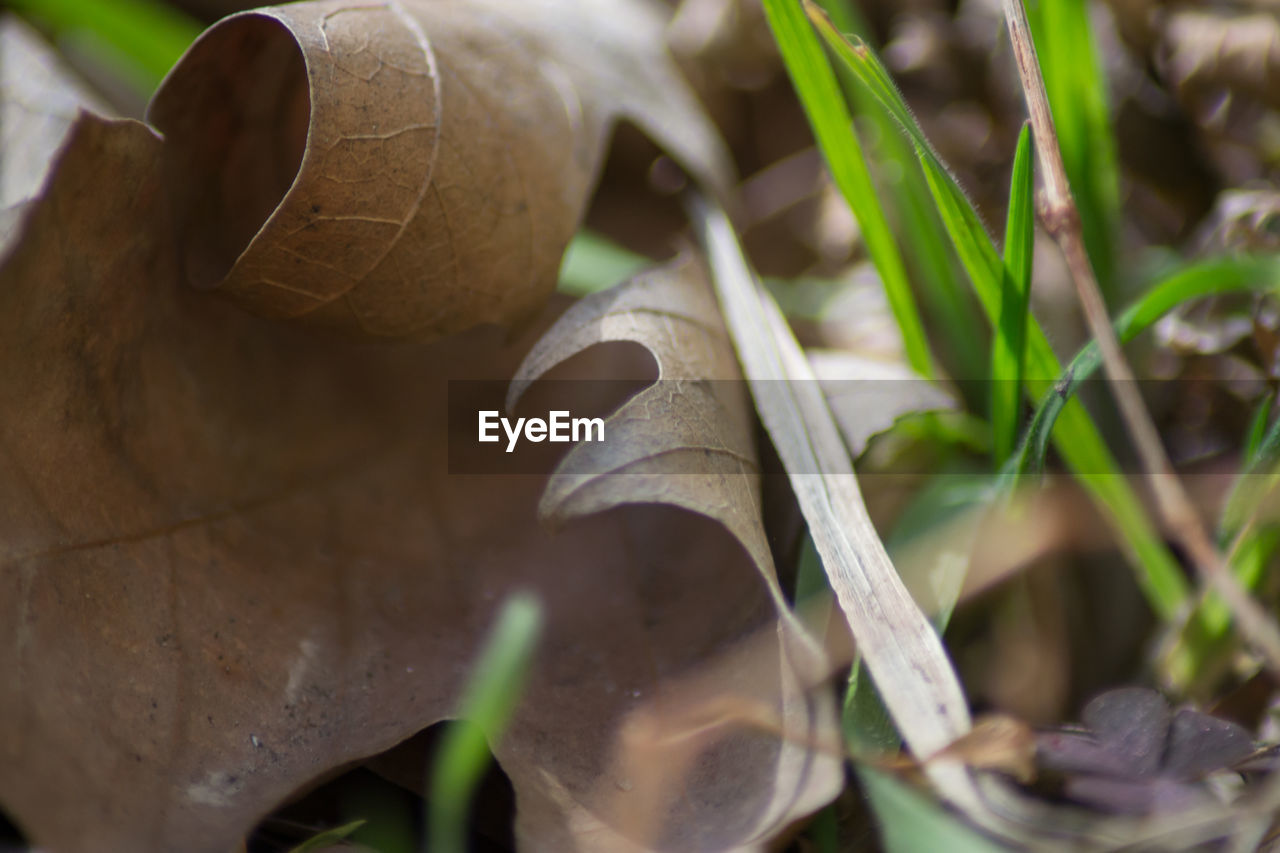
(231, 557)
(686, 441)
(484, 122)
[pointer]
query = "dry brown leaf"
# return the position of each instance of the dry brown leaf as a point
(231, 556)
(232, 559)
(453, 142)
(686, 441)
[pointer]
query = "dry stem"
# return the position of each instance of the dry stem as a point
(1062, 219)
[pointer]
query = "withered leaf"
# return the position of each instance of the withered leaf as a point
(686, 441)
(410, 168)
(231, 556)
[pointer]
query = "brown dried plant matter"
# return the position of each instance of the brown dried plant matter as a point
(410, 168)
(232, 558)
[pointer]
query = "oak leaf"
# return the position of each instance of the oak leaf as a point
(232, 555)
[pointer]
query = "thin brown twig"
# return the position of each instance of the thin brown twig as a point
(1062, 219)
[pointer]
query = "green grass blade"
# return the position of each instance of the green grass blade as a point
(1078, 439)
(1220, 275)
(1077, 91)
(1257, 473)
(1258, 431)
(973, 244)
(1008, 348)
(1248, 563)
(486, 706)
(1253, 486)
(151, 34)
(945, 301)
(815, 84)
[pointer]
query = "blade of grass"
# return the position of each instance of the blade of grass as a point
(486, 707)
(1248, 560)
(1077, 91)
(815, 84)
(1078, 439)
(1258, 429)
(151, 34)
(900, 647)
(1257, 477)
(1249, 540)
(926, 246)
(1219, 275)
(1008, 348)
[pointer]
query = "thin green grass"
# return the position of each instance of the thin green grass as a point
(492, 694)
(1008, 348)
(944, 299)
(815, 84)
(1257, 474)
(1077, 439)
(1219, 275)
(149, 35)
(1249, 541)
(1257, 431)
